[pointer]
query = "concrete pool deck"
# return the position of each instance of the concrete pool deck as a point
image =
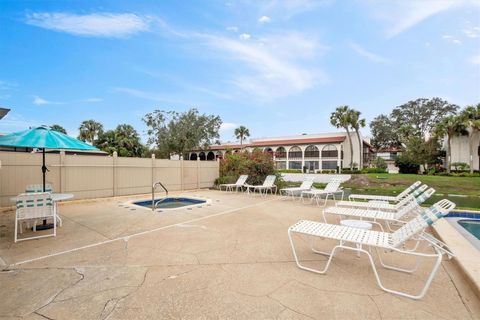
(231, 259)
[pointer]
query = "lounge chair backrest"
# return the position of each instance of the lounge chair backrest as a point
(269, 181)
(426, 218)
(241, 180)
(307, 183)
(333, 184)
(38, 188)
(34, 205)
(411, 197)
(407, 191)
(412, 205)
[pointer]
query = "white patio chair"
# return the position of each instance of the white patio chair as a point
(397, 198)
(305, 186)
(268, 185)
(412, 208)
(332, 188)
(383, 205)
(38, 188)
(33, 207)
(354, 239)
(235, 186)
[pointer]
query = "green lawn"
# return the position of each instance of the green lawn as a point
(467, 188)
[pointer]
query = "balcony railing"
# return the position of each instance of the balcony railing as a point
(295, 154)
(330, 154)
(312, 154)
(280, 155)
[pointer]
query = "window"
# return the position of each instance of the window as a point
(281, 153)
(193, 156)
(281, 165)
(329, 151)
(211, 156)
(312, 165)
(295, 165)
(202, 156)
(329, 165)
(312, 152)
(294, 152)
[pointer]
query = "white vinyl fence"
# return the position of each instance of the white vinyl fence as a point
(100, 176)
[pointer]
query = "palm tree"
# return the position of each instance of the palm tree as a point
(356, 124)
(471, 115)
(90, 130)
(341, 118)
(450, 126)
(58, 128)
(241, 132)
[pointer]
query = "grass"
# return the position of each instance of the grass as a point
(464, 191)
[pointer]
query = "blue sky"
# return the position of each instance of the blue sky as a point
(277, 67)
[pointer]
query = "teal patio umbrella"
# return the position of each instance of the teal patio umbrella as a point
(43, 137)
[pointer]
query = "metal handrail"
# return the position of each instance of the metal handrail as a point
(158, 183)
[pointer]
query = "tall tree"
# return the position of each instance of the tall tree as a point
(449, 127)
(125, 140)
(341, 118)
(178, 133)
(356, 124)
(58, 128)
(90, 130)
(241, 132)
(471, 115)
(422, 115)
(384, 133)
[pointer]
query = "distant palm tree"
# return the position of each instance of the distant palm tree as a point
(356, 124)
(241, 132)
(471, 115)
(90, 130)
(450, 126)
(58, 128)
(341, 118)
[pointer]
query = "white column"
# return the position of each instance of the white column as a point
(339, 157)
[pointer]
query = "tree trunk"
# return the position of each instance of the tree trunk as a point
(351, 148)
(360, 164)
(449, 154)
(470, 145)
(241, 140)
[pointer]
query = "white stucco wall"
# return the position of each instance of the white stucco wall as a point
(460, 150)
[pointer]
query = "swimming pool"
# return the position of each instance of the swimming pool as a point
(169, 203)
(472, 226)
(468, 224)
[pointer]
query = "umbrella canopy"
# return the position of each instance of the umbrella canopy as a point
(43, 138)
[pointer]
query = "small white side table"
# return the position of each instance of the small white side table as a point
(359, 224)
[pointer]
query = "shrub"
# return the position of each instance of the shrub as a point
(380, 163)
(406, 164)
(289, 171)
(460, 166)
(348, 171)
(374, 170)
(257, 165)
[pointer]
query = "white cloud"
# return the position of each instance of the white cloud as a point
(264, 19)
(402, 15)
(228, 126)
(93, 25)
(41, 101)
(475, 60)
(473, 32)
(369, 55)
(272, 66)
(233, 29)
(244, 36)
(153, 96)
(451, 39)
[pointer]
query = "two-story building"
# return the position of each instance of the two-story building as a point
(315, 152)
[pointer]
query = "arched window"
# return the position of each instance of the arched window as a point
(280, 153)
(211, 156)
(268, 151)
(193, 156)
(329, 151)
(294, 152)
(202, 156)
(312, 152)
(219, 155)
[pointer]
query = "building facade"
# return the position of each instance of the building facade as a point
(314, 152)
(461, 150)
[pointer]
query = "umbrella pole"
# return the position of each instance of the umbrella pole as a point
(44, 168)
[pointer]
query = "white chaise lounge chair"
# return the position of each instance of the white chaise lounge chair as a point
(397, 198)
(382, 205)
(332, 188)
(293, 191)
(235, 186)
(32, 207)
(268, 185)
(354, 239)
(412, 208)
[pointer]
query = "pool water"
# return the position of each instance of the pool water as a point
(170, 202)
(472, 226)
